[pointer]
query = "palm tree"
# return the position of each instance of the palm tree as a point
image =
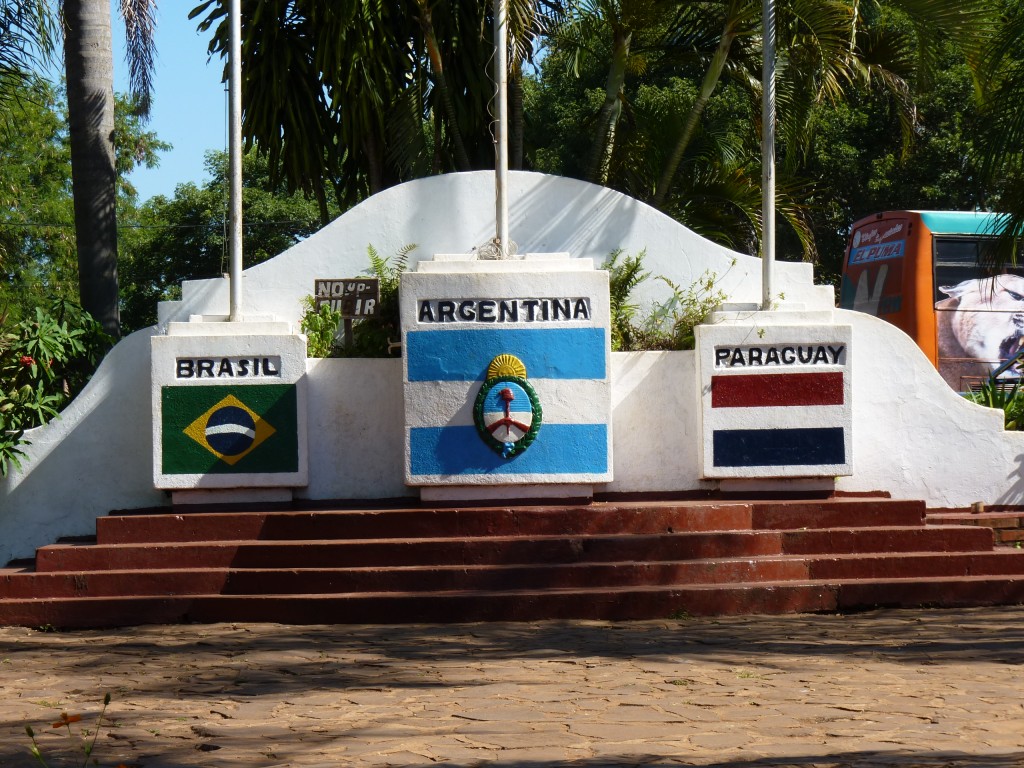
(25, 32)
(671, 128)
(588, 20)
(88, 66)
(1003, 152)
(825, 47)
(352, 97)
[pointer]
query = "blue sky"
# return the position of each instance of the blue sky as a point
(189, 106)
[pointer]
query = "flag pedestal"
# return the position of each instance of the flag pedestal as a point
(775, 395)
(229, 411)
(507, 377)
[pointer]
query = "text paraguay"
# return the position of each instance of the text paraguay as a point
(797, 354)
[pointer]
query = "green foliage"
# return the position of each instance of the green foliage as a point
(44, 362)
(377, 336)
(859, 165)
(670, 324)
(337, 94)
(38, 259)
(28, 33)
(1008, 399)
(185, 237)
(320, 326)
(623, 278)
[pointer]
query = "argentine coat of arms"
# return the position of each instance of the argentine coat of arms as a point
(507, 412)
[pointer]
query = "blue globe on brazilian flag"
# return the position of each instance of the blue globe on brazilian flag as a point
(223, 429)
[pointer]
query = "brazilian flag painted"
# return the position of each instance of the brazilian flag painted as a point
(251, 428)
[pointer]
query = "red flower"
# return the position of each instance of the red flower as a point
(66, 719)
(27, 361)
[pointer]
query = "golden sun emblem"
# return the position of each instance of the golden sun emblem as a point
(506, 365)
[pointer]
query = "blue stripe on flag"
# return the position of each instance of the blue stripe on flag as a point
(558, 449)
(463, 355)
(778, 447)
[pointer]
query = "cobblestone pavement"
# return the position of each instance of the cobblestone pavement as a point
(903, 688)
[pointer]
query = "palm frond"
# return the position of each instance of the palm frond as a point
(140, 25)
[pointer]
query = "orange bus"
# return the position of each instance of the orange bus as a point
(923, 271)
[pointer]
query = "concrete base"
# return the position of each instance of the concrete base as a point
(232, 496)
(509, 493)
(795, 485)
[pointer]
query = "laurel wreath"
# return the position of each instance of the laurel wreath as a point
(478, 416)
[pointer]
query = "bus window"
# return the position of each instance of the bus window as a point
(956, 260)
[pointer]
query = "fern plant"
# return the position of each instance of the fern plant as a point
(377, 336)
(623, 278)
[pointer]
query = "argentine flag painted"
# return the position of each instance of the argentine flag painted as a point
(567, 364)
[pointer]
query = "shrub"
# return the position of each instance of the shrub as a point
(670, 324)
(376, 336)
(1007, 398)
(44, 362)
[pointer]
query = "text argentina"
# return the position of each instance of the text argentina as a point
(801, 354)
(503, 310)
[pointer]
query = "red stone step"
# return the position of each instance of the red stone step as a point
(422, 523)
(916, 565)
(848, 513)
(621, 603)
(1007, 525)
(504, 549)
(625, 603)
(618, 560)
(966, 517)
(961, 592)
(835, 568)
(937, 538)
(29, 584)
(592, 519)
(397, 552)
(401, 579)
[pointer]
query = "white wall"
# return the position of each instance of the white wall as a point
(97, 456)
(916, 437)
(913, 436)
(455, 213)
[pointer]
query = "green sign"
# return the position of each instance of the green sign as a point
(229, 429)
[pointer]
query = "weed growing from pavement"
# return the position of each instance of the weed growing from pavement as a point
(87, 745)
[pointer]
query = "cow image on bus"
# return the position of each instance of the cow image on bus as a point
(925, 272)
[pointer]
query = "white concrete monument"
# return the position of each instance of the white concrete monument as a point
(775, 391)
(507, 376)
(229, 406)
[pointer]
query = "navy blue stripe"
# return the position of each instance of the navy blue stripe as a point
(558, 449)
(778, 447)
(547, 353)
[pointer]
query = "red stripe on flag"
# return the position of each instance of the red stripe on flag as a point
(765, 390)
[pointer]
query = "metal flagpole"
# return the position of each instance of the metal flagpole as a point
(767, 153)
(235, 160)
(501, 132)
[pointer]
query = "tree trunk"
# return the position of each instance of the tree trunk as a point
(711, 78)
(608, 117)
(88, 63)
(447, 105)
